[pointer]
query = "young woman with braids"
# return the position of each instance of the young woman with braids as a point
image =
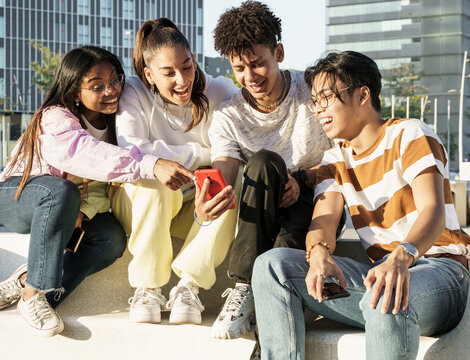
(69, 142)
(166, 111)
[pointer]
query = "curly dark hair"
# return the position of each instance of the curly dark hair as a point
(240, 29)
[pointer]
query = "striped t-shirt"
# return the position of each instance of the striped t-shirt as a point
(376, 186)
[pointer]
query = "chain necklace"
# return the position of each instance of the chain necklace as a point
(278, 101)
(167, 110)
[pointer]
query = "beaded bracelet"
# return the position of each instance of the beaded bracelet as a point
(310, 248)
(197, 222)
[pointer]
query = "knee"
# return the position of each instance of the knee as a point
(265, 159)
(272, 265)
(118, 244)
(66, 194)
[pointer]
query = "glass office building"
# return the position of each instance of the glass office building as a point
(64, 24)
(433, 34)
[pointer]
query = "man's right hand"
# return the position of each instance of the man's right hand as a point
(172, 174)
(322, 265)
(208, 210)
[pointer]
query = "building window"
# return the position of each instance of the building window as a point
(126, 62)
(2, 88)
(83, 34)
(106, 39)
(128, 9)
(365, 9)
(199, 44)
(59, 32)
(368, 27)
(84, 7)
(199, 17)
(2, 26)
(106, 9)
(2, 58)
(365, 46)
(127, 38)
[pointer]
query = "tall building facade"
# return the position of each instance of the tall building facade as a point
(433, 34)
(64, 24)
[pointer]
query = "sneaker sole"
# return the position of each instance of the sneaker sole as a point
(145, 318)
(179, 319)
(227, 334)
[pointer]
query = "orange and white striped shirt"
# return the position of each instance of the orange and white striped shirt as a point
(376, 186)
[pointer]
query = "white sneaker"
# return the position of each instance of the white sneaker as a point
(237, 314)
(146, 305)
(10, 289)
(184, 303)
(40, 316)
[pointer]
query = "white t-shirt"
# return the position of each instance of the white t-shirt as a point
(292, 131)
(143, 121)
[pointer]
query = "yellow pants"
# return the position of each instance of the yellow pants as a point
(151, 213)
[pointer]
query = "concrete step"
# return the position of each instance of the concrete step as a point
(97, 325)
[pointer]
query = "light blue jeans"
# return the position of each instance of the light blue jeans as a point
(438, 294)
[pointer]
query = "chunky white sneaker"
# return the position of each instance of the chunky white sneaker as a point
(237, 314)
(184, 303)
(40, 316)
(10, 289)
(146, 305)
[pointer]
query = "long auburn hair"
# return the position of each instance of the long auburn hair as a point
(64, 91)
(155, 34)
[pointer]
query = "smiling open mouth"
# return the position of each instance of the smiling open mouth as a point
(182, 92)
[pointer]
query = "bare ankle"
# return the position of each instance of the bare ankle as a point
(28, 293)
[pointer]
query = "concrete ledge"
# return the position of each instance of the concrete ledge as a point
(97, 325)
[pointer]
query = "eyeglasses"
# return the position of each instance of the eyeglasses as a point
(323, 100)
(116, 84)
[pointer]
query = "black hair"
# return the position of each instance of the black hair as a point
(353, 69)
(240, 29)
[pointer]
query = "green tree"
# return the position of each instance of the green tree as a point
(231, 76)
(46, 68)
(403, 82)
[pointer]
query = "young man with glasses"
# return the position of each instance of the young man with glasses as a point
(268, 128)
(393, 176)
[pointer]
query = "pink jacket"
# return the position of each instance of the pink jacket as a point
(65, 147)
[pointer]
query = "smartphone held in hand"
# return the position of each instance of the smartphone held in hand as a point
(217, 182)
(333, 290)
(75, 240)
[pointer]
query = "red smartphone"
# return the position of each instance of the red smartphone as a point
(217, 182)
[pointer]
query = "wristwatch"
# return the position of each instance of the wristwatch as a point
(411, 249)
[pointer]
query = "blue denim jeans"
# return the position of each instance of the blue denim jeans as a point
(47, 209)
(438, 293)
(104, 242)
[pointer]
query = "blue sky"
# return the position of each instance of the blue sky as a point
(303, 28)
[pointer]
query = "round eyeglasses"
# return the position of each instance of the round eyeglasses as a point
(116, 84)
(323, 99)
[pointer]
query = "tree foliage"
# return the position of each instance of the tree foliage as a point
(404, 82)
(232, 76)
(46, 68)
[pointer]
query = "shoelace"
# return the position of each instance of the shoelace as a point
(9, 289)
(40, 310)
(148, 296)
(188, 296)
(236, 297)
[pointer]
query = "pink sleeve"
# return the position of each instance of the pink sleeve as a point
(65, 145)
